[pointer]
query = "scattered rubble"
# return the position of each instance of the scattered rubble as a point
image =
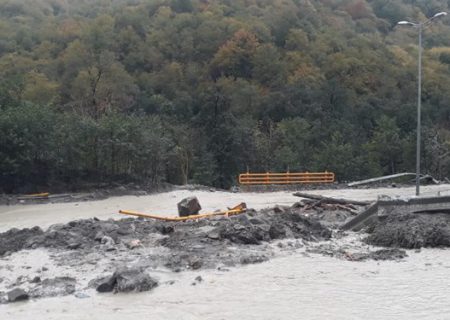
(330, 212)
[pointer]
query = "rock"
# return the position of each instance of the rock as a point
(134, 244)
(278, 209)
(81, 295)
(123, 231)
(239, 227)
(256, 221)
(74, 246)
(59, 286)
(188, 206)
(99, 235)
(250, 259)
(19, 280)
(17, 295)
(3, 297)
(125, 280)
(242, 218)
(195, 263)
(197, 280)
(214, 235)
(277, 231)
(104, 284)
(36, 280)
(107, 241)
(382, 254)
(133, 280)
(389, 254)
(164, 229)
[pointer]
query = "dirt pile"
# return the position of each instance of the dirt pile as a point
(87, 234)
(411, 231)
(15, 239)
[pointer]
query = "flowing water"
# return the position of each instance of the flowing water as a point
(293, 287)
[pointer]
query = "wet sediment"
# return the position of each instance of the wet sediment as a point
(411, 231)
(125, 252)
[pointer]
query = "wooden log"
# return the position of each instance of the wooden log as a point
(331, 200)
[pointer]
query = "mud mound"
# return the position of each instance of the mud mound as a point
(14, 240)
(412, 231)
(245, 229)
(79, 234)
(205, 243)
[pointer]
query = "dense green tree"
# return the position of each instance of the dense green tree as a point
(201, 90)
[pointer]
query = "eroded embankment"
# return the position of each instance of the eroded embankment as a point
(411, 230)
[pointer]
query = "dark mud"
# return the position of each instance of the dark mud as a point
(109, 235)
(411, 231)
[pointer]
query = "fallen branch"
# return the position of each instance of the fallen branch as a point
(346, 208)
(323, 199)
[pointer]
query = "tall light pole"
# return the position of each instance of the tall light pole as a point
(420, 26)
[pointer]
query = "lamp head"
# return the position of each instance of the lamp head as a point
(405, 23)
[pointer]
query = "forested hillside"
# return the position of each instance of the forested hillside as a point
(200, 90)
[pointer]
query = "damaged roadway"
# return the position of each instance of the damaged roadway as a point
(123, 254)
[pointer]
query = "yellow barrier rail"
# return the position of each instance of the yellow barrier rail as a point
(240, 208)
(286, 178)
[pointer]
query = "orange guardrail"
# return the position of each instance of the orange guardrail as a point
(240, 208)
(286, 178)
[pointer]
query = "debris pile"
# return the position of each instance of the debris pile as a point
(411, 230)
(331, 212)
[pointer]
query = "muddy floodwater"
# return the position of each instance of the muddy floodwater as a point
(293, 287)
(294, 284)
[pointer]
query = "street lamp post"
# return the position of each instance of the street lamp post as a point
(420, 26)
